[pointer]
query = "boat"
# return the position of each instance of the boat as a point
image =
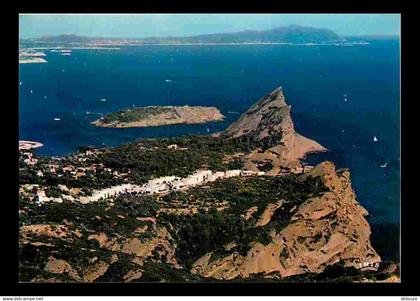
(103, 99)
(375, 139)
(57, 119)
(32, 91)
(168, 80)
(384, 165)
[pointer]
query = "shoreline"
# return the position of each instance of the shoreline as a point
(111, 46)
(135, 124)
(27, 145)
(35, 60)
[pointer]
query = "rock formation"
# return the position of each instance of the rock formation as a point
(270, 118)
(323, 231)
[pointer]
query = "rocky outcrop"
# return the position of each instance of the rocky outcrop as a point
(270, 118)
(324, 230)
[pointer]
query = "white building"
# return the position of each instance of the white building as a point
(233, 173)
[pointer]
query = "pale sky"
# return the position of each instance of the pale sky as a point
(158, 25)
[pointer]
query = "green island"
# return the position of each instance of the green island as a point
(158, 116)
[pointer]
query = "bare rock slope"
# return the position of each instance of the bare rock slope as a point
(323, 230)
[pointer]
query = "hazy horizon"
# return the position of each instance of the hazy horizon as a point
(163, 25)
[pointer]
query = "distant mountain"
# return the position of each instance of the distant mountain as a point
(65, 38)
(287, 34)
(269, 120)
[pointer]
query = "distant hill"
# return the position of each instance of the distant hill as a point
(287, 34)
(65, 38)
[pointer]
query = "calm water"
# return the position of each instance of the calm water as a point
(316, 81)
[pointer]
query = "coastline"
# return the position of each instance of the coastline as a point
(26, 144)
(35, 60)
(140, 124)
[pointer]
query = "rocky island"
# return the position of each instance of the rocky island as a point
(30, 56)
(159, 116)
(237, 207)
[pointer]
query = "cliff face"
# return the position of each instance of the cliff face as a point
(270, 116)
(322, 231)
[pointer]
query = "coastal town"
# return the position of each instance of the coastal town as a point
(159, 185)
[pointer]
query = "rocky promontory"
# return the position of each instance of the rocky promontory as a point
(267, 120)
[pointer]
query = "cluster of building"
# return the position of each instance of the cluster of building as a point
(176, 147)
(161, 185)
(61, 166)
(29, 159)
(158, 185)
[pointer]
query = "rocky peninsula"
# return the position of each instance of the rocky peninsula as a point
(269, 119)
(152, 116)
(237, 207)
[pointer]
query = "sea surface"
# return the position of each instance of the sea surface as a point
(341, 97)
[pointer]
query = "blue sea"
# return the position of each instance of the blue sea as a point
(342, 97)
